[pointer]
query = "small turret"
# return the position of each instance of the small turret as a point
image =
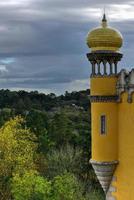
(105, 43)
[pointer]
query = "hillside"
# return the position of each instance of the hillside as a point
(62, 127)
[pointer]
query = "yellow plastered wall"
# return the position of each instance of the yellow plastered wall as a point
(125, 169)
(104, 147)
(103, 85)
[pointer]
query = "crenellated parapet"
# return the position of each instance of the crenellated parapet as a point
(125, 84)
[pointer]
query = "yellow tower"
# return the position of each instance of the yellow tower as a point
(105, 43)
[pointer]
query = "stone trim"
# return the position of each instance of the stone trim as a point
(104, 162)
(104, 171)
(104, 55)
(97, 98)
(112, 189)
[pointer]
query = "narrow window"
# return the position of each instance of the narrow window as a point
(103, 125)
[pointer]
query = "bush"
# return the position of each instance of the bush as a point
(30, 186)
(66, 187)
(66, 159)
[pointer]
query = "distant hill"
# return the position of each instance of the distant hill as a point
(21, 100)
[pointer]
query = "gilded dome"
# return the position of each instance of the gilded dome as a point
(104, 38)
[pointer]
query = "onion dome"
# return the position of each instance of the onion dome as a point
(104, 38)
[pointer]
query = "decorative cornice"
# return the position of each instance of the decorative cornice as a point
(95, 162)
(97, 98)
(104, 55)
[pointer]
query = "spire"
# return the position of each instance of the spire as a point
(104, 20)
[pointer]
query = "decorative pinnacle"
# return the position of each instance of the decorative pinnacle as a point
(104, 20)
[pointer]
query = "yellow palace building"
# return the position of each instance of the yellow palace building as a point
(112, 105)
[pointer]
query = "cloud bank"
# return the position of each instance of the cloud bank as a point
(42, 42)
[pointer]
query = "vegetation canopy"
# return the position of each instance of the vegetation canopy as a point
(45, 147)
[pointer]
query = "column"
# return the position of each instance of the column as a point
(115, 65)
(99, 72)
(111, 67)
(93, 68)
(105, 67)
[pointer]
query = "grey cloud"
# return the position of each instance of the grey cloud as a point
(47, 38)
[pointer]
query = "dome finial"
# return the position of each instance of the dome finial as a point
(104, 19)
(104, 38)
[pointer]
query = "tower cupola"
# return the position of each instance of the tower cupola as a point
(104, 38)
(105, 43)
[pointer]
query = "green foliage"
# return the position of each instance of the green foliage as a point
(60, 129)
(95, 195)
(12, 142)
(54, 141)
(17, 148)
(5, 115)
(30, 186)
(37, 121)
(22, 100)
(65, 159)
(66, 187)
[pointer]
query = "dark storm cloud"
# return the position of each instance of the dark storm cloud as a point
(46, 39)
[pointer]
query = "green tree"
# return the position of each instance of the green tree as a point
(37, 121)
(60, 129)
(5, 115)
(17, 147)
(66, 159)
(66, 187)
(30, 186)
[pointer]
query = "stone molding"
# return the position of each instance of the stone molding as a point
(104, 55)
(98, 98)
(104, 172)
(112, 189)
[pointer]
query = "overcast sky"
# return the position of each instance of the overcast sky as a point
(42, 42)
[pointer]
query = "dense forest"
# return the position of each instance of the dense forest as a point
(45, 147)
